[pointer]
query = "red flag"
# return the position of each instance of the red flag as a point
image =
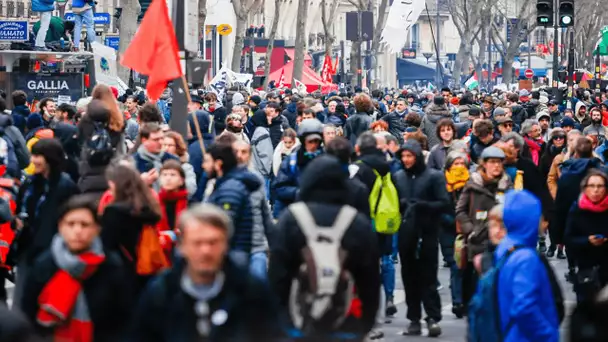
(153, 51)
(282, 79)
(326, 70)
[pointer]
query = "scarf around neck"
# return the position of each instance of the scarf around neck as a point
(180, 197)
(62, 302)
(535, 147)
(584, 203)
(456, 178)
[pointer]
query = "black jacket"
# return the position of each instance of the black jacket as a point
(579, 226)
(422, 195)
(107, 295)
(121, 229)
(547, 157)
(396, 125)
(355, 125)
(166, 313)
(324, 189)
(569, 188)
(219, 119)
(41, 200)
(275, 128)
(367, 163)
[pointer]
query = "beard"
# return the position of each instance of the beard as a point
(234, 129)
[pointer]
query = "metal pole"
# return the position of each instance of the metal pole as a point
(438, 78)
(554, 78)
(342, 64)
(529, 51)
(179, 107)
(251, 51)
(368, 53)
(598, 72)
(571, 67)
(359, 57)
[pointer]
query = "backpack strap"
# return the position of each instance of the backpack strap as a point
(309, 226)
(375, 209)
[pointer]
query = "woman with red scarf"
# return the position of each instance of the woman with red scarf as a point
(173, 198)
(535, 146)
(587, 234)
(76, 290)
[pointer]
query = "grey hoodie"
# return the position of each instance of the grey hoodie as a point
(262, 220)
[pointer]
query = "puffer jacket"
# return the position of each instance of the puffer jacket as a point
(472, 209)
(434, 113)
(396, 124)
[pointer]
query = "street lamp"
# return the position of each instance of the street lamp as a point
(427, 55)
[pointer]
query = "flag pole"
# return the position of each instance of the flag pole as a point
(195, 119)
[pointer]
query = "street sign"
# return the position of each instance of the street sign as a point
(191, 28)
(224, 29)
(529, 73)
(13, 30)
(112, 41)
(408, 53)
(100, 18)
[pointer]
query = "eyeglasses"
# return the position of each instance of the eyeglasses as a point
(508, 125)
(559, 137)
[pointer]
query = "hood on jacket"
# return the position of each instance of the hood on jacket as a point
(243, 175)
(5, 121)
(577, 166)
(435, 112)
(377, 161)
(324, 180)
(22, 110)
(578, 106)
(414, 147)
(521, 216)
(292, 107)
(259, 119)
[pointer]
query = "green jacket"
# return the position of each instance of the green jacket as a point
(56, 30)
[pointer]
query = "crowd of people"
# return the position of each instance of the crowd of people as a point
(283, 215)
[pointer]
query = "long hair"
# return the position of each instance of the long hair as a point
(180, 144)
(104, 93)
(129, 188)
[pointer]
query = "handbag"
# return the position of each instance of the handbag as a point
(461, 250)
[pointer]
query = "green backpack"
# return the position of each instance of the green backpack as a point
(384, 205)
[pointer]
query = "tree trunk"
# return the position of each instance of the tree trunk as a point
(239, 43)
(458, 63)
(298, 63)
(273, 33)
(128, 27)
(379, 26)
(507, 67)
(202, 15)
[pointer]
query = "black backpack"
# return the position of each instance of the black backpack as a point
(99, 150)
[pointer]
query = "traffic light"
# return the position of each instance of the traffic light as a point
(566, 13)
(544, 12)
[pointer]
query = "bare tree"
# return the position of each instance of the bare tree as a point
(466, 15)
(298, 63)
(587, 27)
(242, 10)
(328, 23)
(273, 33)
(521, 27)
(127, 29)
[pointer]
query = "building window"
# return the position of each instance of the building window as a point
(21, 9)
(540, 36)
(415, 36)
(10, 9)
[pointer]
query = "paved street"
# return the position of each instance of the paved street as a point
(453, 328)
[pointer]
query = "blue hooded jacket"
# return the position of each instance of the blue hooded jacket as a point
(525, 297)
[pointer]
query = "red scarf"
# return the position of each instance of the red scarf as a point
(57, 303)
(180, 197)
(585, 204)
(534, 146)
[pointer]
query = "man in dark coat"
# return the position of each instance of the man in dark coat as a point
(324, 189)
(396, 120)
(423, 196)
(20, 110)
(233, 187)
(206, 295)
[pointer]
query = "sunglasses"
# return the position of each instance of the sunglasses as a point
(508, 124)
(559, 137)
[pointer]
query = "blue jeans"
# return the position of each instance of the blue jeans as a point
(446, 241)
(258, 265)
(387, 271)
(86, 18)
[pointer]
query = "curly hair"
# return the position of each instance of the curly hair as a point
(383, 125)
(445, 123)
(363, 103)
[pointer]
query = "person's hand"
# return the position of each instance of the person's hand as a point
(18, 223)
(597, 241)
(149, 177)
